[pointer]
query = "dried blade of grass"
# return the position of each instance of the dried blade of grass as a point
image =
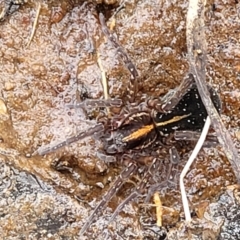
(104, 81)
(187, 166)
(34, 24)
(197, 49)
(159, 209)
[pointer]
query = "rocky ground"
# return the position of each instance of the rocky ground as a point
(59, 66)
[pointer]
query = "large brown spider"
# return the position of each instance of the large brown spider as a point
(151, 123)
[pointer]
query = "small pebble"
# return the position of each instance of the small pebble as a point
(9, 86)
(100, 184)
(3, 108)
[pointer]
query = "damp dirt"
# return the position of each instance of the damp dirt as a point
(50, 197)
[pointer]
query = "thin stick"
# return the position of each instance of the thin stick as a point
(187, 166)
(34, 24)
(159, 210)
(104, 79)
(197, 51)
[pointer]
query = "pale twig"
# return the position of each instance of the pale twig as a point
(187, 166)
(159, 208)
(34, 24)
(104, 79)
(197, 53)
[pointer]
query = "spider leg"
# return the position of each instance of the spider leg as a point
(91, 103)
(171, 100)
(186, 135)
(139, 189)
(211, 139)
(121, 52)
(174, 158)
(89, 132)
(123, 177)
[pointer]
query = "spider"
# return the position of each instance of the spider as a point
(179, 116)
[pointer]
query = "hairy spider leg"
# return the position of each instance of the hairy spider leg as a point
(172, 99)
(211, 139)
(121, 52)
(97, 103)
(182, 89)
(139, 189)
(97, 129)
(121, 179)
(174, 156)
(166, 182)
